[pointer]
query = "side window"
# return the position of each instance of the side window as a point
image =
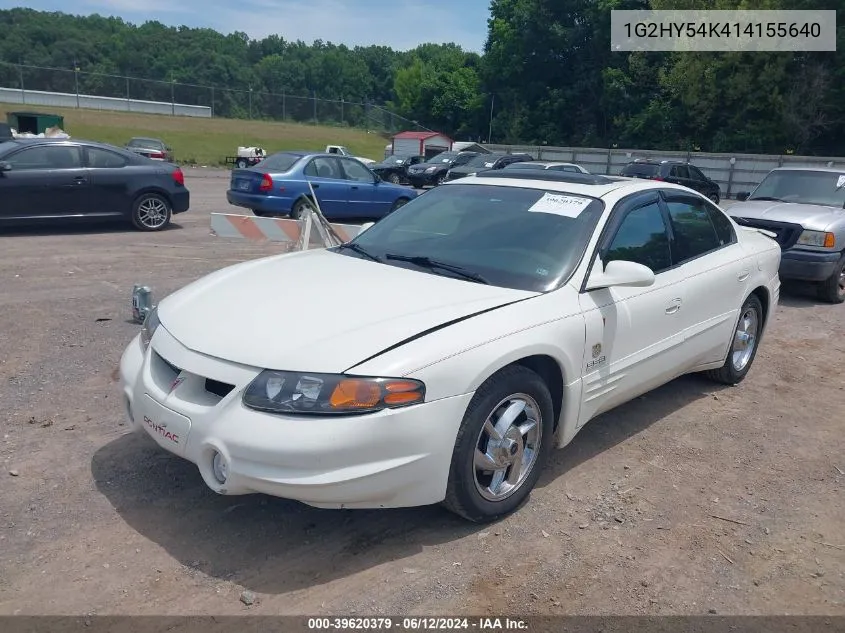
(680, 171)
(696, 173)
(462, 159)
(694, 232)
(356, 171)
(724, 229)
(104, 159)
(642, 238)
(323, 167)
(47, 157)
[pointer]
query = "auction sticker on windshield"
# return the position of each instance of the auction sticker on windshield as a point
(560, 204)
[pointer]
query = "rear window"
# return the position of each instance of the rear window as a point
(145, 142)
(280, 162)
(640, 169)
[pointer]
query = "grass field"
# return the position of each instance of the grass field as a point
(206, 141)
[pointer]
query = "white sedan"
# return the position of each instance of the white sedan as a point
(443, 353)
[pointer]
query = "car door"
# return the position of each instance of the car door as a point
(367, 199)
(700, 182)
(109, 191)
(715, 272)
(330, 185)
(44, 180)
(634, 335)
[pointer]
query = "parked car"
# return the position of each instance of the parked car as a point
(554, 166)
(803, 207)
(447, 349)
(676, 172)
(433, 171)
(153, 148)
(344, 186)
(483, 162)
(395, 168)
(56, 179)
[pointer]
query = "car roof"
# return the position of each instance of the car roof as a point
(144, 138)
(595, 186)
(832, 170)
(651, 161)
(59, 141)
(548, 163)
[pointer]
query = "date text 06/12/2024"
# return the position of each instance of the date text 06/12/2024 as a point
(480, 624)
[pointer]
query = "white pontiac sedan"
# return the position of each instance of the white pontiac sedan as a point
(443, 353)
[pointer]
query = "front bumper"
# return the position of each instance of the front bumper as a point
(806, 265)
(421, 179)
(394, 458)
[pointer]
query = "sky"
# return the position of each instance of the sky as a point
(400, 24)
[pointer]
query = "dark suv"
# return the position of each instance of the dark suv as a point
(676, 172)
(485, 162)
(433, 171)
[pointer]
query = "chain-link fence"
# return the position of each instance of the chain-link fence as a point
(122, 91)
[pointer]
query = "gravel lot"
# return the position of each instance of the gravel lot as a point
(693, 499)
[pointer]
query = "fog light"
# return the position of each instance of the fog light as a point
(220, 468)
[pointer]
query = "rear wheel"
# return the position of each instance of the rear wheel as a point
(714, 198)
(744, 344)
(299, 208)
(832, 289)
(394, 178)
(501, 447)
(441, 179)
(242, 164)
(151, 212)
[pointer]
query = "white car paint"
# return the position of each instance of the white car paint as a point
(369, 319)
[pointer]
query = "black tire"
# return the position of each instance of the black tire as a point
(394, 178)
(714, 198)
(440, 179)
(242, 163)
(463, 494)
(732, 373)
(401, 202)
(832, 289)
(151, 212)
(299, 207)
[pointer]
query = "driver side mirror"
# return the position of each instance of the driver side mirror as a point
(742, 195)
(4, 166)
(621, 273)
(376, 178)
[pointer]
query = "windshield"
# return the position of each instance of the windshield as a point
(640, 169)
(279, 162)
(444, 157)
(804, 186)
(483, 160)
(146, 143)
(514, 237)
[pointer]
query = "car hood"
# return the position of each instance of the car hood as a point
(811, 216)
(317, 310)
(420, 167)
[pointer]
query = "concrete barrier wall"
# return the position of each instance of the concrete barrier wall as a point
(90, 102)
(743, 174)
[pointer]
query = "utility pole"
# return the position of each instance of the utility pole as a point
(490, 128)
(250, 102)
(23, 90)
(172, 94)
(315, 107)
(76, 78)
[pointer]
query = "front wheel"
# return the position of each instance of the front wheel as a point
(401, 202)
(832, 289)
(151, 212)
(744, 344)
(394, 178)
(501, 447)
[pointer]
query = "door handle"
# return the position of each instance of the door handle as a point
(354, 186)
(81, 179)
(674, 307)
(315, 186)
(742, 276)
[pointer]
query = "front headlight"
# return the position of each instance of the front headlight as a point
(149, 328)
(325, 394)
(431, 170)
(817, 238)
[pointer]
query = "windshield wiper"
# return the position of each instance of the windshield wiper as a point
(772, 198)
(431, 264)
(352, 246)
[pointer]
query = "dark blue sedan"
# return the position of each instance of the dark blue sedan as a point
(345, 187)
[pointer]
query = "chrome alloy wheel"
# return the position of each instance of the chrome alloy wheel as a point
(745, 339)
(507, 447)
(152, 213)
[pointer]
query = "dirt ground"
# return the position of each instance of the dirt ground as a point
(694, 499)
